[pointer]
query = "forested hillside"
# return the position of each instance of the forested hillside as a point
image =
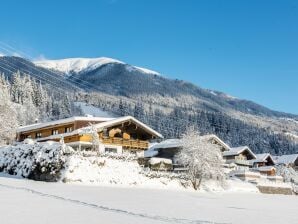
(24, 100)
(169, 106)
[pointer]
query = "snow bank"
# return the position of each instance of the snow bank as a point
(52, 161)
(94, 111)
(108, 170)
(124, 171)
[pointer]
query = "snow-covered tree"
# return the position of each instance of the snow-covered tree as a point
(95, 137)
(203, 159)
(8, 118)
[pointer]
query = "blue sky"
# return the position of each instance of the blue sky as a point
(247, 48)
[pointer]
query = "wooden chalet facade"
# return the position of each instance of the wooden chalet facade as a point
(267, 170)
(124, 133)
(240, 156)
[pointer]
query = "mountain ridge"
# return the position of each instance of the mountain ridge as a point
(169, 105)
(92, 68)
(78, 65)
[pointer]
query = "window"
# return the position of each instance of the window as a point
(38, 135)
(55, 132)
(68, 129)
(111, 150)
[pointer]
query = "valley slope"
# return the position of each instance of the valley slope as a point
(168, 105)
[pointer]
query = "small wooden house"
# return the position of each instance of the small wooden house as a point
(288, 160)
(267, 170)
(239, 155)
(115, 134)
(166, 149)
(169, 148)
(264, 159)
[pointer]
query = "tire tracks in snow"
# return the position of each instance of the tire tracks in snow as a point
(108, 209)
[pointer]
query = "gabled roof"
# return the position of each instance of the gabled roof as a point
(263, 157)
(238, 150)
(217, 139)
(121, 120)
(61, 121)
(105, 122)
(286, 159)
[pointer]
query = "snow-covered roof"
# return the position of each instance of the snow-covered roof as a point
(286, 159)
(238, 150)
(150, 153)
(61, 121)
(106, 122)
(265, 168)
(217, 139)
(102, 125)
(177, 143)
(263, 157)
(169, 143)
(121, 120)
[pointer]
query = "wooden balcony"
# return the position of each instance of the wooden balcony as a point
(130, 144)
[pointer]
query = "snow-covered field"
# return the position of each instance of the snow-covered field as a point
(93, 111)
(26, 201)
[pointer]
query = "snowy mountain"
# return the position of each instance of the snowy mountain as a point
(168, 105)
(80, 65)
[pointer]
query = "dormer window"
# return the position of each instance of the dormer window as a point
(55, 132)
(68, 129)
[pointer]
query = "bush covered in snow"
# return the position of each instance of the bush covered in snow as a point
(38, 161)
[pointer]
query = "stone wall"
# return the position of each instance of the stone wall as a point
(275, 190)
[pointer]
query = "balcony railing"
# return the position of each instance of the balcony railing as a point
(131, 144)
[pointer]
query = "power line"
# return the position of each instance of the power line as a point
(40, 78)
(77, 80)
(38, 75)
